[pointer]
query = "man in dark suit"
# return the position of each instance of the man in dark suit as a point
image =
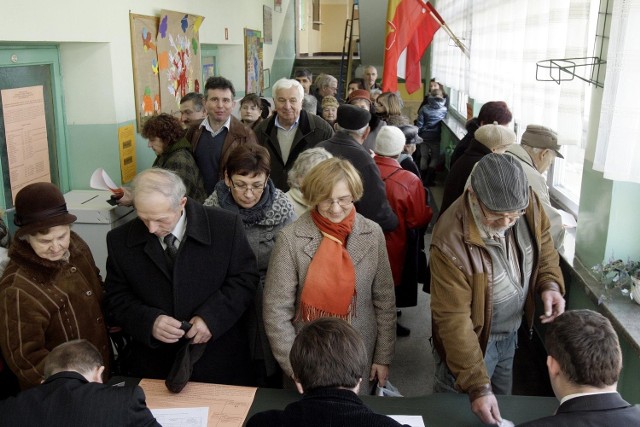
(180, 262)
(328, 357)
(72, 395)
(584, 361)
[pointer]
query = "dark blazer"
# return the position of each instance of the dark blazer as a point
(311, 130)
(373, 204)
(214, 277)
(67, 399)
(459, 173)
(596, 410)
(324, 407)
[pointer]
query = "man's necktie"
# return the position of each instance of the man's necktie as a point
(171, 250)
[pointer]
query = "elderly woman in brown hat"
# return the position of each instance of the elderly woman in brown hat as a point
(51, 291)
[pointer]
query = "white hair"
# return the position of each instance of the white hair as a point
(284, 84)
(163, 181)
(357, 132)
(304, 163)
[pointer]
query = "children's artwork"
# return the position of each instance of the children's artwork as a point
(277, 5)
(253, 61)
(178, 47)
(208, 67)
(146, 83)
(267, 24)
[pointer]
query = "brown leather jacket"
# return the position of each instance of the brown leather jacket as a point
(238, 134)
(462, 292)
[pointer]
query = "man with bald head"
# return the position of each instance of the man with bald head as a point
(290, 131)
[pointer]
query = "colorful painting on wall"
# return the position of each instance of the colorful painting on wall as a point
(145, 66)
(253, 61)
(178, 47)
(277, 5)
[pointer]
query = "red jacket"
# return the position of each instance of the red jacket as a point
(407, 198)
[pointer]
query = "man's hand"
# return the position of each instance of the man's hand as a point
(167, 329)
(553, 305)
(381, 372)
(127, 197)
(486, 408)
(199, 331)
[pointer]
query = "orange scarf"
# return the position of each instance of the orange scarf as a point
(330, 287)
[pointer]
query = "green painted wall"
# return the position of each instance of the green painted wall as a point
(94, 146)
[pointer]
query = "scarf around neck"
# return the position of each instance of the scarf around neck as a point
(251, 215)
(330, 286)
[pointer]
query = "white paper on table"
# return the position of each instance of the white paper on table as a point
(412, 420)
(100, 180)
(182, 417)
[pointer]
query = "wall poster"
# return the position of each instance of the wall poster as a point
(253, 61)
(146, 83)
(178, 46)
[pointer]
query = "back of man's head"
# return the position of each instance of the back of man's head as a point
(219, 82)
(78, 355)
(328, 353)
(586, 347)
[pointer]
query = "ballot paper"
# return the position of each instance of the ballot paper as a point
(182, 417)
(412, 420)
(100, 180)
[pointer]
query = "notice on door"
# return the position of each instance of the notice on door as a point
(26, 135)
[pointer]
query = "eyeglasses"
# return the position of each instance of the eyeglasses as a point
(499, 217)
(243, 187)
(343, 202)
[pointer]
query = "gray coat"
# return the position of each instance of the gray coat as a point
(375, 312)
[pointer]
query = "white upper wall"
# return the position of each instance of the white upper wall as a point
(108, 62)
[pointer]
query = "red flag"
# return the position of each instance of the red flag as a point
(410, 28)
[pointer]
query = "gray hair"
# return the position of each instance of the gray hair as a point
(325, 80)
(357, 132)
(377, 92)
(304, 163)
(287, 84)
(163, 181)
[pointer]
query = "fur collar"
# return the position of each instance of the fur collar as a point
(38, 269)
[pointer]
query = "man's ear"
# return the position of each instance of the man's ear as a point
(356, 389)
(366, 133)
(299, 387)
(553, 367)
(95, 375)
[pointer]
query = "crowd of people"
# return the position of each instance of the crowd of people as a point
(278, 247)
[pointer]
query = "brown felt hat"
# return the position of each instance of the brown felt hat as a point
(359, 94)
(40, 206)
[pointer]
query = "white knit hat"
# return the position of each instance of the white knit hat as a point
(389, 142)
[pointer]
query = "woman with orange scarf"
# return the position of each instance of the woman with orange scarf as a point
(332, 262)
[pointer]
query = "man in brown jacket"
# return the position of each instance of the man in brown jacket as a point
(220, 132)
(491, 253)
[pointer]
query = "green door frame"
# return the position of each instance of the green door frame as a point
(20, 56)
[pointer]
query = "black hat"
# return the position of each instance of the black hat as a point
(351, 117)
(39, 206)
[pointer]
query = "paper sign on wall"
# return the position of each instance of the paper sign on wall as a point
(26, 135)
(127, 143)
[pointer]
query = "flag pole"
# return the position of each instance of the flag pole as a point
(439, 19)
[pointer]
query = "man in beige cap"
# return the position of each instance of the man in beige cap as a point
(491, 138)
(536, 152)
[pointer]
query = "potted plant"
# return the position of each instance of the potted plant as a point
(621, 275)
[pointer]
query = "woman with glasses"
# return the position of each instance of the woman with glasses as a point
(265, 210)
(332, 262)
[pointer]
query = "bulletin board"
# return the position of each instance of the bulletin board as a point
(178, 46)
(253, 61)
(146, 83)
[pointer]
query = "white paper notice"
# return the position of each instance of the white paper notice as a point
(181, 417)
(26, 134)
(412, 420)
